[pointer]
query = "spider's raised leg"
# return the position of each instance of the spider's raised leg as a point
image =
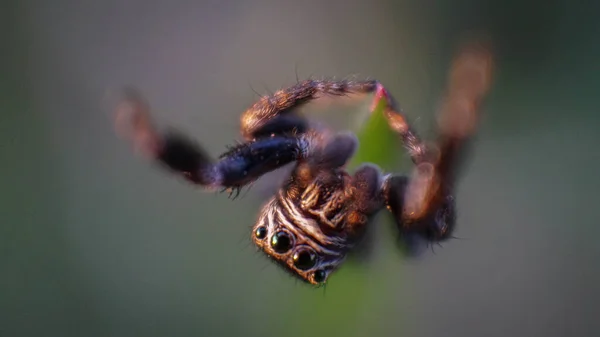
(275, 114)
(425, 203)
(237, 167)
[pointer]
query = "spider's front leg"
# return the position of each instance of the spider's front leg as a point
(424, 204)
(237, 167)
(275, 115)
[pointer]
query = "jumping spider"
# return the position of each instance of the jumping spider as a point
(320, 212)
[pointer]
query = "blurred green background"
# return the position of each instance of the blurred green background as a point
(96, 242)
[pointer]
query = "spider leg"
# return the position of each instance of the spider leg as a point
(434, 224)
(397, 121)
(274, 114)
(424, 204)
(413, 201)
(239, 166)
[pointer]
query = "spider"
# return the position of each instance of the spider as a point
(321, 211)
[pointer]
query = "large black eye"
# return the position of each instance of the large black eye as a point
(304, 258)
(320, 276)
(281, 242)
(260, 232)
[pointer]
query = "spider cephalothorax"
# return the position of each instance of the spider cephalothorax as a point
(321, 210)
(310, 225)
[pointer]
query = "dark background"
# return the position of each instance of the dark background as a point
(96, 242)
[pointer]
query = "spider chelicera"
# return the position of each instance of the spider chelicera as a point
(321, 211)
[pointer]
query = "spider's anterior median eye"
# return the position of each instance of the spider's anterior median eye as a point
(281, 242)
(260, 232)
(320, 276)
(304, 258)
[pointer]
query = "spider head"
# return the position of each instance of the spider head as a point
(298, 244)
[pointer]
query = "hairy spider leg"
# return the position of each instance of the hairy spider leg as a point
(237, 167)
(425, 203)
(275, 114)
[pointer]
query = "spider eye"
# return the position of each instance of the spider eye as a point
(304, 258)
(281, 242)
(320, 276)
(260, 232)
